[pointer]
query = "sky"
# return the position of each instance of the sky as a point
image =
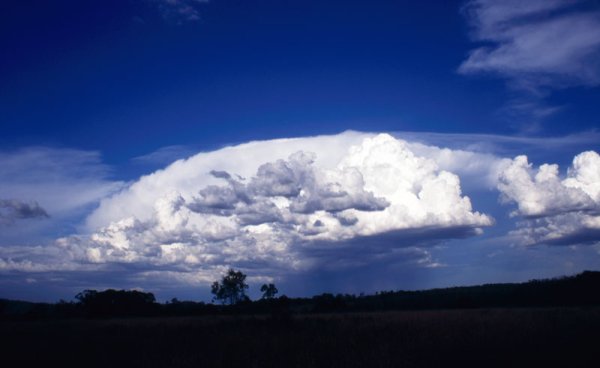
(325, 146)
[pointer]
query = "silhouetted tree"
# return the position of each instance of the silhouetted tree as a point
(232, 288)
(269, 291)
(116, 302)
(86, 296)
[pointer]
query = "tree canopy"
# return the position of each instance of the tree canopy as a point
(116, 302)
(231, 289)
(269, 291)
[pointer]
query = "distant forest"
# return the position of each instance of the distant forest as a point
(579, 290)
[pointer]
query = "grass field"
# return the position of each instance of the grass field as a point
(557, 337)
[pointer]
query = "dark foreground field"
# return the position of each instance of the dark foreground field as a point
(557, 337)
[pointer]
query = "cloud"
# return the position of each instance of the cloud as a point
(36, 259)
(11, 210)
(555, 210)
(284, 208)
(60, 180)
(295, 180)
(188, 176)
(164, 155)
(500, 145)
(57, 185)
(277, 207)
(542, 193)
(535, 43)
(562, 229)
(305, 175)
(179, 10)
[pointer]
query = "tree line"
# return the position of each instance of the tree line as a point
(230, 298)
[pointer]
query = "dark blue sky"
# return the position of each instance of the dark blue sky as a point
(96, 93)
(103, 74)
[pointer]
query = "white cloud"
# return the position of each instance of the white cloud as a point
(189, 175)
(500, 145)
(476, 169)
(60, 180)
(332, 172)
(556, 210)
(282, 207)
(535, 43)
(277, 206)
(541, 192)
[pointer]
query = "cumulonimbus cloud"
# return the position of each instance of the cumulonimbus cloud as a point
(556, 210)
(273, 208)
(277, 206)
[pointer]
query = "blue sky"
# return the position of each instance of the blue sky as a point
(98, 98)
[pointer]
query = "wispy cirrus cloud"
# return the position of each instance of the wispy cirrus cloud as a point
(535, 43)
(61, 180)
(502, 145)
(165, 155)
(179, 11)
(53, 184)
(537, 46)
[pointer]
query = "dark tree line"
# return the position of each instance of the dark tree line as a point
(230, 292)
(117, 303)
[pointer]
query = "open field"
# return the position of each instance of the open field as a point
(561, 337)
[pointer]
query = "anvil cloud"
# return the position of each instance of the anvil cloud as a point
(287, 206)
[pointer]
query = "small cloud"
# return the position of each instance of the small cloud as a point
(179, 11)
(12, 209)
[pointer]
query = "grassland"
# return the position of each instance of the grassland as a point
(544, 337)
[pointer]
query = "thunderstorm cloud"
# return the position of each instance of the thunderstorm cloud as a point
(288, 206)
